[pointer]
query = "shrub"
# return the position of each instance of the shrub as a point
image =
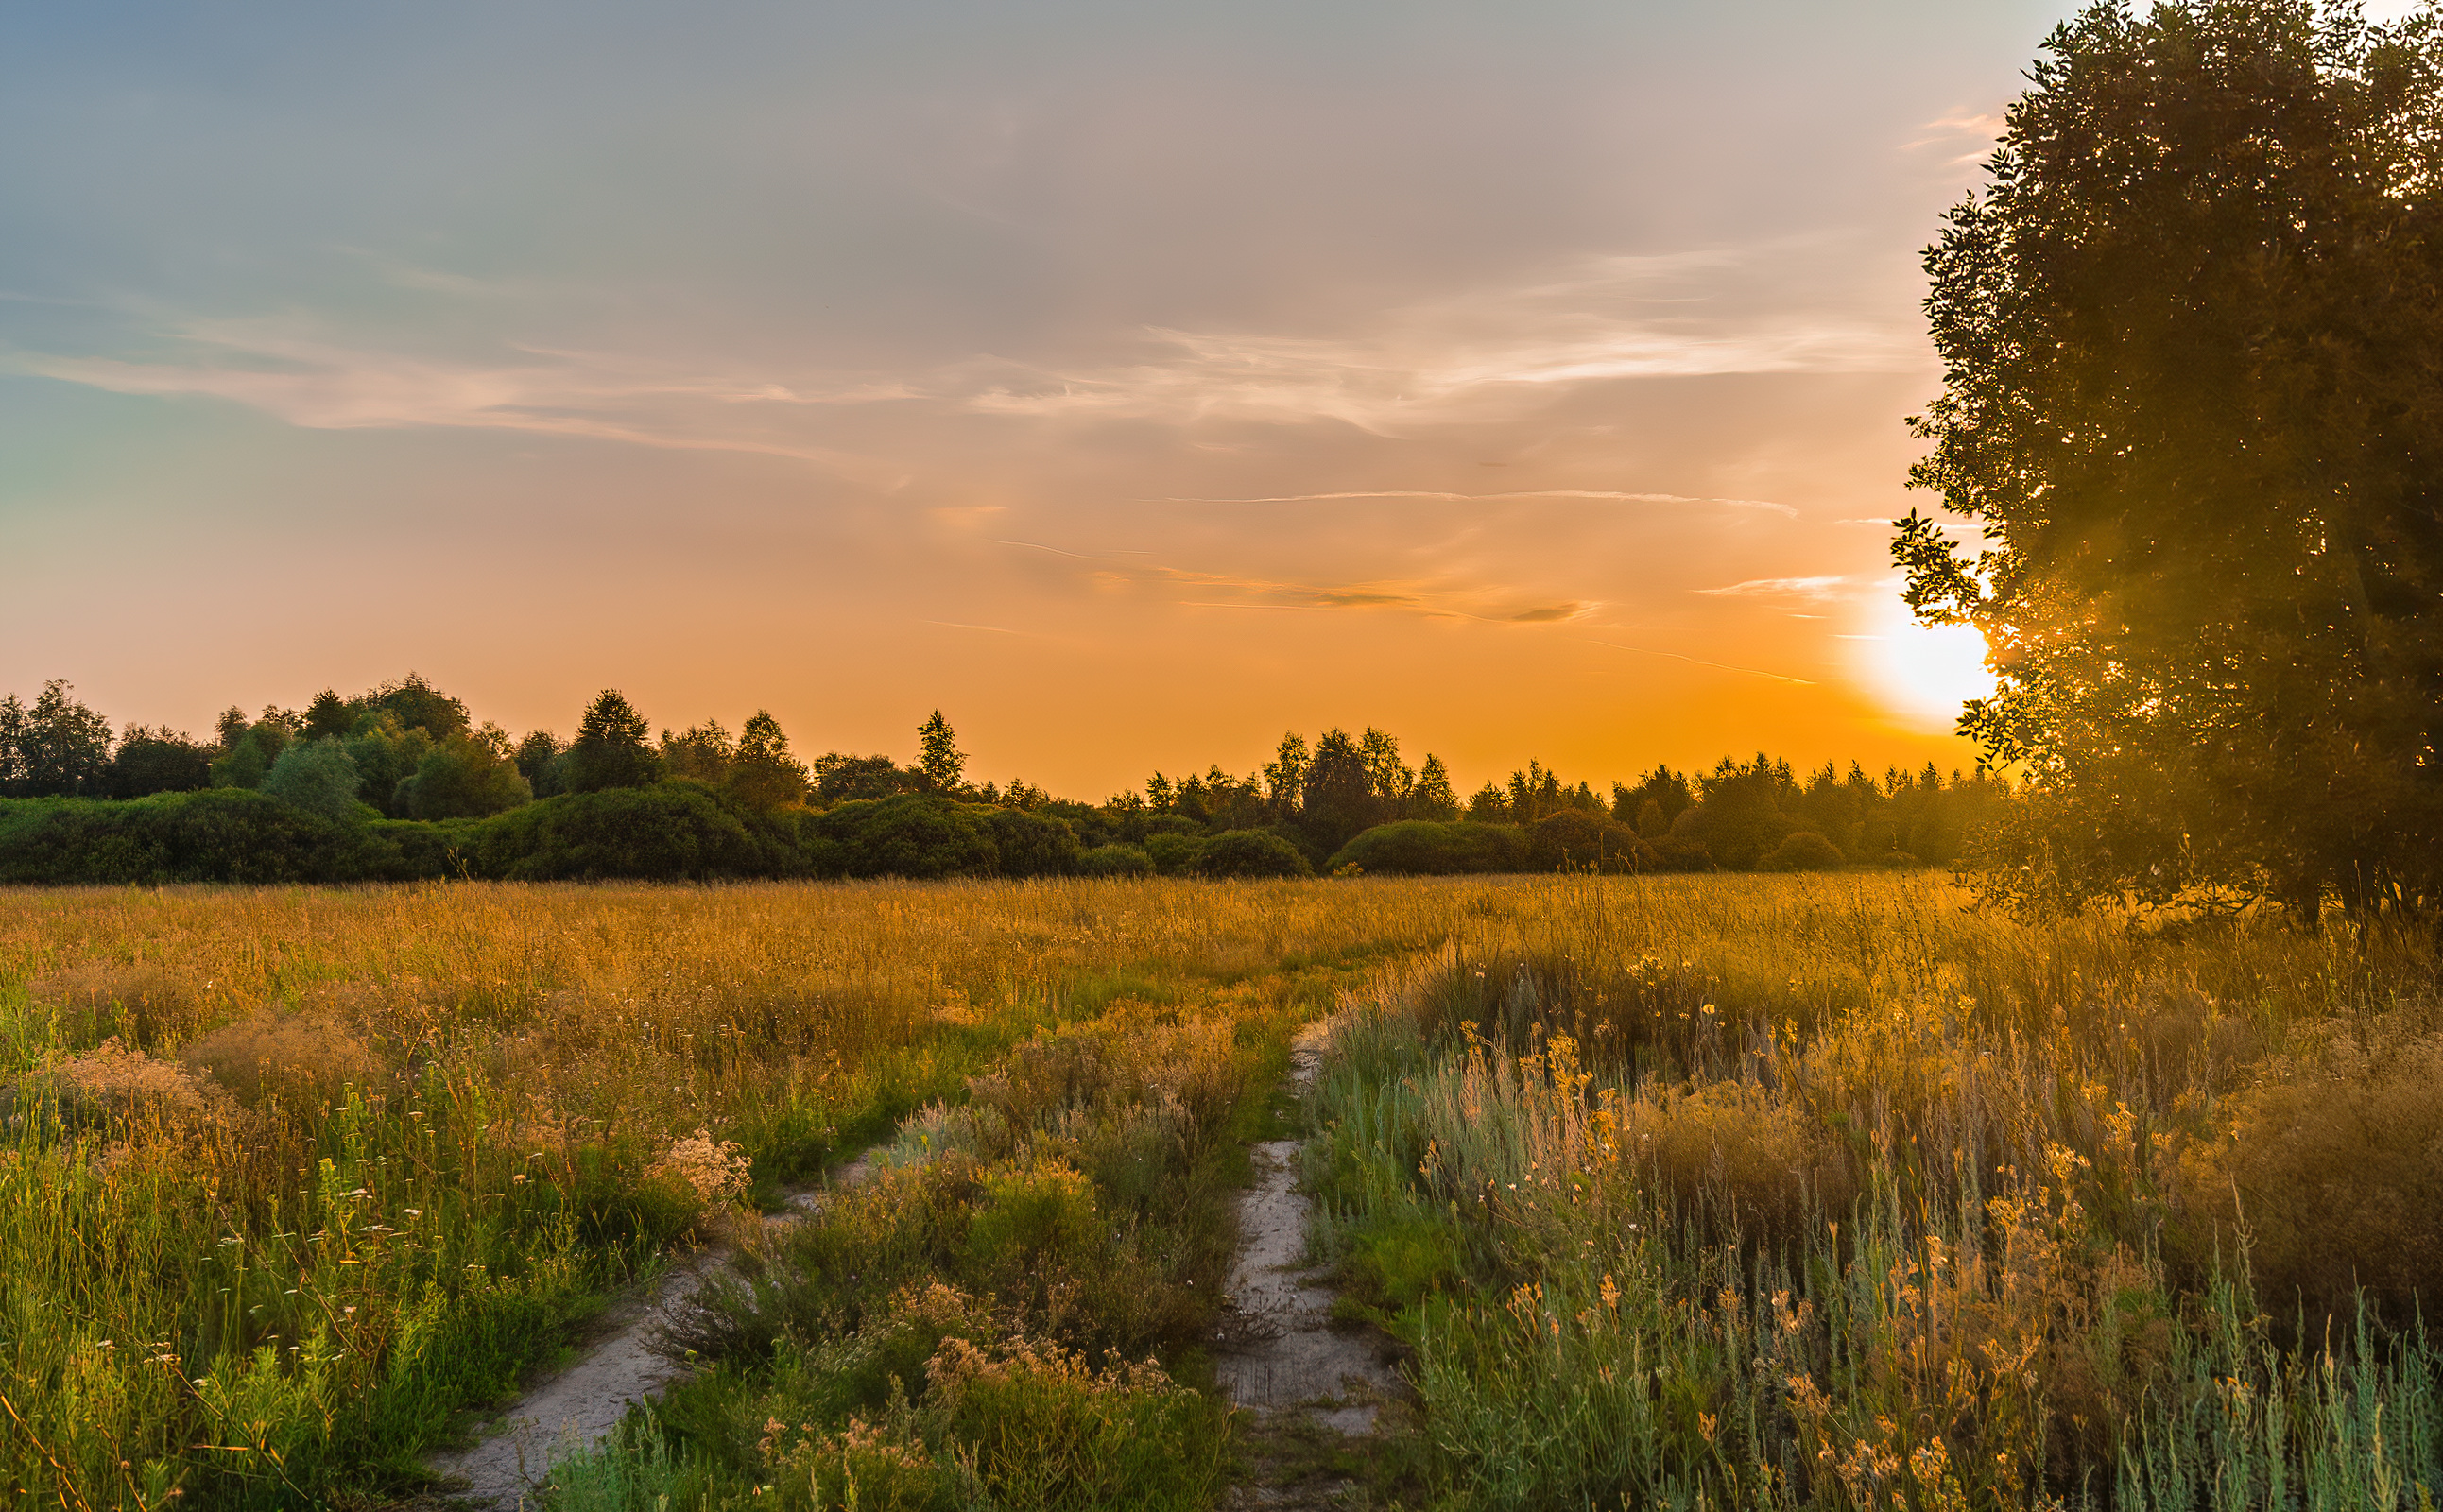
(1575, 839)
(316, 776)
(1173, 852)
(304, 1059)
(1251, 853)
(1680, 852)
(709, 1172)
(1036, 1221)
(220, 835)
(1803, 851)
(1033, 844)
(1114, 860)
(1140, 825)
(672, 830)
(912, 834)
(2333, 1174)
(1422, 848)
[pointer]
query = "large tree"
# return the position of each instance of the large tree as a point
(609, 748)
(2193, 346)
(54, 746)
(764, 775)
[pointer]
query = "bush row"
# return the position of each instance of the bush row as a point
(685, 830)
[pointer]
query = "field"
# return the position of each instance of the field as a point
(1819, 1192)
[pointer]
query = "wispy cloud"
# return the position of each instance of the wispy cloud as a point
(1444, 496)
(1492, 604)
(1603, 318)
(1968, 137)
(1812, 589)
(1478, 355)
(320, 383)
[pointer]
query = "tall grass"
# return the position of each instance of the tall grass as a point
(1779, 1192)
(1834, 1193)
(289, 1177)
(1010, 1312)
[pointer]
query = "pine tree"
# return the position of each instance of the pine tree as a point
(937, 755)
(1433, 798)
(610, 750)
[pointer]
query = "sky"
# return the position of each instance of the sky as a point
(1130, 382)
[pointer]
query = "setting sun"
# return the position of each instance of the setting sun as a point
(1922, 673)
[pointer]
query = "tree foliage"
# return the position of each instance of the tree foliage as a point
(156, 760)
(937, 755)
(610, 750)
(446, 797)
(316, 776)
(467, 775)
(52, 747)
(2193, 348)
(764, 775)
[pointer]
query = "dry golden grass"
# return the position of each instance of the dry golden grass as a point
(338, 1162)
(1852, 1180)
(292, 1174)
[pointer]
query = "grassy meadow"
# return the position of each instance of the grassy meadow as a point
(293, 1176)
(1706, 1191)
(1834, 1194)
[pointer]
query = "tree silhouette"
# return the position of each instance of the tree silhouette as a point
(2192, 398)
(937, 754)
(610, 750)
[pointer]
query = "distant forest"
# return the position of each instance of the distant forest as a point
(401, 782)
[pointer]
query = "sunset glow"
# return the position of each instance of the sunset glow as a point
(1925, 673)
(1128, 382)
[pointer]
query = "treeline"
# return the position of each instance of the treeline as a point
(400, 783)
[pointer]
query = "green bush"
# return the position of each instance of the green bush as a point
(1034, 1222)
(1576, 840)
(219, 835)
(1680, 852)
(1114, 860)
(668, 831)
(1418, 847)
(1251, 853)
(1803, 851)
(912, 834)
(316, 776)
(1033, 844)
(1174, 853)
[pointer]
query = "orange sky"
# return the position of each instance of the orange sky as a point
(1129, 382)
